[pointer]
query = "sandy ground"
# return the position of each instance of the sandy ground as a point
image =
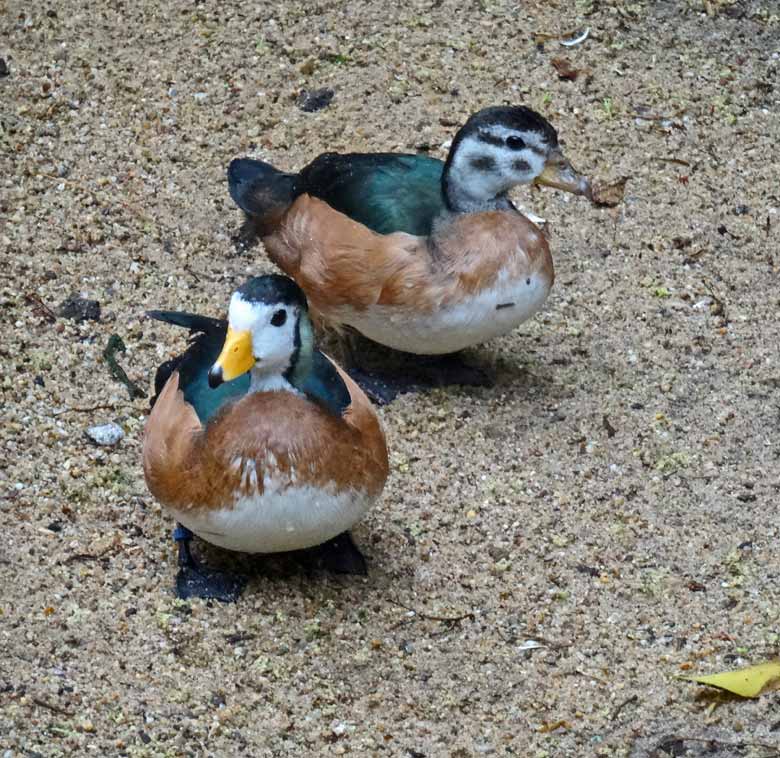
(613, 498)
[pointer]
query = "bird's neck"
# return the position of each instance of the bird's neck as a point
(461, 198)
(265, 381)
(313, 375)
(467, 189)
(301, 359)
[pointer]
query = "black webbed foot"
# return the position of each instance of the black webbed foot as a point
(207, 584)
(195, 580)
(339, 555)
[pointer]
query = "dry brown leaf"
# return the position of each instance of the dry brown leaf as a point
(609, 194)
(565, 69)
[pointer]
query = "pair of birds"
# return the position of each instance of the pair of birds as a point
(260, 443)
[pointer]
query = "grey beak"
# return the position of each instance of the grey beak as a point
(559, 173)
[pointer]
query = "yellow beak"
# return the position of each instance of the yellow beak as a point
(235, 359)
(559, 173)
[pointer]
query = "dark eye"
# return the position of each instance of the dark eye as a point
(514, 143)
(279, 318)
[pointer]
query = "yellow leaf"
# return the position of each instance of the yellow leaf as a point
(749, 682)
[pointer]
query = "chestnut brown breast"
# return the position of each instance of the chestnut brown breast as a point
(338, 261)
(286, 436)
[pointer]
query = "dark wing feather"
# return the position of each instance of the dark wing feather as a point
(387, 192)
(193, 365)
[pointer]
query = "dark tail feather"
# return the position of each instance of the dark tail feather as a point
(212, 330)
(190, 321)
(261, 191)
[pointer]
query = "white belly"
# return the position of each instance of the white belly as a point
(473, 320)
(292, 518)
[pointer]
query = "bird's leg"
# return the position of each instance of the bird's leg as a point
(379, 387)
(350, 348)
(183, 538)
(194, 580)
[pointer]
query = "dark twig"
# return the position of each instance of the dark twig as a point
(52, 706)
(677, 161)
(117, 345)
(81, 557)
(719, 306)
(627, 701)
(39, 307)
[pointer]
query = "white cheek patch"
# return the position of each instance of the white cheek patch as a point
(243, 315)
(490, 180)
(535, 162)
(270, 381)
(481, 182)
(272, 346)
(268, 341)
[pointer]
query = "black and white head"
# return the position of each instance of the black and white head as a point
(499, 148)
(268, 328)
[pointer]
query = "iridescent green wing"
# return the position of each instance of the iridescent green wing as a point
(194, 364)
(387, 192)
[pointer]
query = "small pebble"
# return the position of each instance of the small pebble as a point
(80, 309)
(105, 434)
(314, 100)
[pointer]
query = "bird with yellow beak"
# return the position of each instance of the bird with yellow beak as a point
(258, 442)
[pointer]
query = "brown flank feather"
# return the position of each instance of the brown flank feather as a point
(188, 466)
(338, 261)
